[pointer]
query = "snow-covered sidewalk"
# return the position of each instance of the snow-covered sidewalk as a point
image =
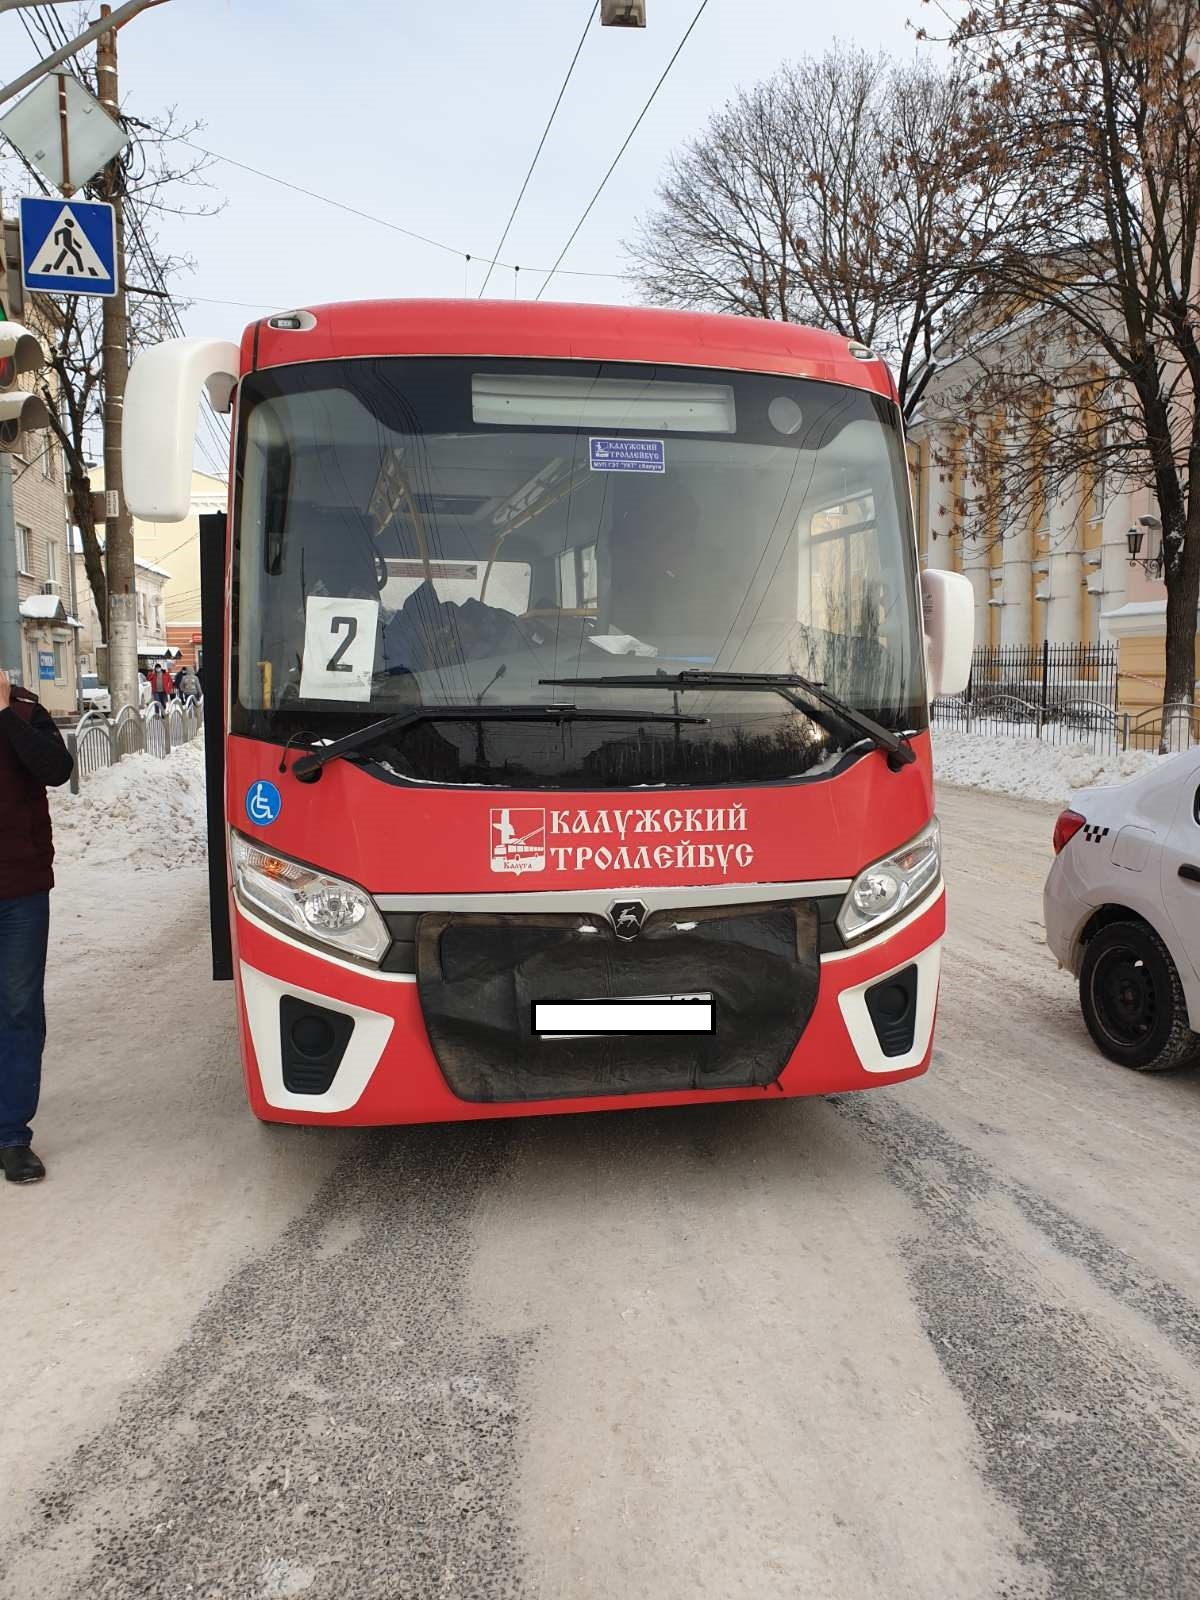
(1032, 769)
(146, 812)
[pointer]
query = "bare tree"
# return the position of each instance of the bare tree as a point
(1092, 110)
(848, 191)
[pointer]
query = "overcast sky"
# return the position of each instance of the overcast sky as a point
(426, 113)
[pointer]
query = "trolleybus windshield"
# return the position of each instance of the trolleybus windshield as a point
(458, 531)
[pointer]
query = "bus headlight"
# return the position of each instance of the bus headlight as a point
(888, 888)
(304, 900)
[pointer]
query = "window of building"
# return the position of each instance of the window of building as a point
(48, 458)
(52, 560)
(60, 670)
(24, 549)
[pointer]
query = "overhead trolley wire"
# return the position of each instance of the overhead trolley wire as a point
(382, 222)
(624, 146)
(541, 143)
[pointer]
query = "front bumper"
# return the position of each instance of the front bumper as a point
(388, 1074)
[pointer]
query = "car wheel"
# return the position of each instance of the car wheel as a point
(1132, 999)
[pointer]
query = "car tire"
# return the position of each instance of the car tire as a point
(1132, 1000)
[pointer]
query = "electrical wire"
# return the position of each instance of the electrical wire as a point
(382, 222)
(541, 142)
(624, 146)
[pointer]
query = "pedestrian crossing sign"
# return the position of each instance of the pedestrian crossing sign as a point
(68, 246)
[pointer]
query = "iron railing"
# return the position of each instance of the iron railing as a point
(98, 741)
(1062, 693)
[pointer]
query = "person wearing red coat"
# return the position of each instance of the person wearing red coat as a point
(32, 758)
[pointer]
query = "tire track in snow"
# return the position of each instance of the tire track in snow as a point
(1093, 1446)
(334, 1426)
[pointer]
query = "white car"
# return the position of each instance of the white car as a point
(93, 693)
(1122, 905)
(97, 698)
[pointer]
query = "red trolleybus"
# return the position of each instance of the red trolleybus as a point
(568, 696)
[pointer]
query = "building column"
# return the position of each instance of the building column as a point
(1016, 589)
(1065, 578)
(1114, 559)
(976, 562)
(939, 508)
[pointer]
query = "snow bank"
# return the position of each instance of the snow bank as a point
(146, 812)
(1030, 768)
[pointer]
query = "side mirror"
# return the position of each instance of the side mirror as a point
(948, 602)
(161, 406)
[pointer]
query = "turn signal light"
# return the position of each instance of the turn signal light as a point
(1067, 826)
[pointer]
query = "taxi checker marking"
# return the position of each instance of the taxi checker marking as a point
(1093, 833)
(263, 803)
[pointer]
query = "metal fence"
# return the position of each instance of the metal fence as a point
(98, 741)
(1061, 693)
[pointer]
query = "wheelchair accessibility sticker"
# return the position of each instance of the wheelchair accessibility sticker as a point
(263, 803)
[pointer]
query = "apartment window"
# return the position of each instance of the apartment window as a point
(24, 549)
(60, 670)
(52, 560)
(48, 458)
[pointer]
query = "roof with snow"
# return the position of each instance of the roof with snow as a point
(46, 608)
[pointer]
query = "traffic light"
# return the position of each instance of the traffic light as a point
(20, 411)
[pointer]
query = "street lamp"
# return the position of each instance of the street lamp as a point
(622, 13)
(1152, 566)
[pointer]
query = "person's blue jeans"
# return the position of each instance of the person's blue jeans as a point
(24, 936)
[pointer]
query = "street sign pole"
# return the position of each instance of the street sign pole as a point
(10, 601)
(120, 567)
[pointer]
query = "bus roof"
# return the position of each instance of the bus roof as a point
(532, 329)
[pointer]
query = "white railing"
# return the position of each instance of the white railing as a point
(98, 741)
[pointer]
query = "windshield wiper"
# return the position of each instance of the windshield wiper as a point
(310, 764)
(898, 750)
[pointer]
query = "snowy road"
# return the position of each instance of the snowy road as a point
(936, 1342)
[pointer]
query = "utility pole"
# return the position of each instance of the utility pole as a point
(10, 605)
(118, 525)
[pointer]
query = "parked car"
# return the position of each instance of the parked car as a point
(1122, 905)
(95, 696)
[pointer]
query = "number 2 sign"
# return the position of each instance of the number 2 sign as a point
(339, 648)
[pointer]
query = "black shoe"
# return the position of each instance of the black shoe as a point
(21, 1165)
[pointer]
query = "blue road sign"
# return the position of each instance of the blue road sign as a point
(68, 246)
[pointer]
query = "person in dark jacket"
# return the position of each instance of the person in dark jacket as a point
(32, 757)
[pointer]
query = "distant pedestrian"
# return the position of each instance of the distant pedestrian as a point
(160, 684)
(32, 758)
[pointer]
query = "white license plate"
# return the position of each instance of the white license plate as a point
(651, 1013)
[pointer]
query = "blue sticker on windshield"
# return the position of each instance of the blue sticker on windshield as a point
(263, 803)
(628, 455)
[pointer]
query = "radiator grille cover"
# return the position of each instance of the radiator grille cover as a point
(479, 975)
